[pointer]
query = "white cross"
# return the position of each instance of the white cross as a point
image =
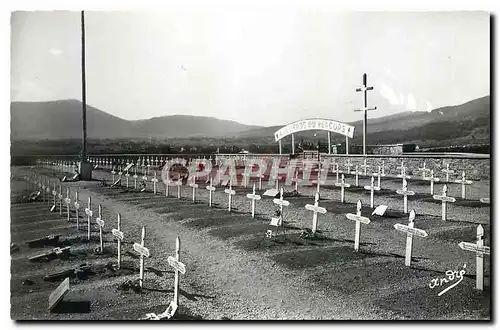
(88, 212)
(315, 209)
(54, 193)
(432, 179)
(100, 223)
(179, 267)
(155, 181)
(382, 167)
(359, 219)
(113, 172)
(402, 167)
(342, 185)
(378, 175)
(403, 174)
(135, 177)
(410, 231)
(254, 198)
(229, 192)
(348, 165)
(246, 179)
(372, 187)
(448, 172)
(119, 237)
(296, 180)
(210, 188)
(318, 183)
(480, 250)
(143, 252)
(67, 201)
(281, 203)
(357, 178)
(60, 197)
(77, 207)
(127, 174)
(336, 173)
(464, 182)
(424, 171)
(405, 192)
(444, 199)
(364, 166)
(194, 185)
(178, 183)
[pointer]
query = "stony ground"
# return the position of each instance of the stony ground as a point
(235, 272)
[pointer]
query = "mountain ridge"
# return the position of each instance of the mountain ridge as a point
(61, 119)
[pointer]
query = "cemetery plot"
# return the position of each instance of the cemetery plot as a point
(231, 248)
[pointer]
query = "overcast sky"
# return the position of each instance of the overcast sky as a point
(260, 66)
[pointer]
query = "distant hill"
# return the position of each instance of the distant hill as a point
(465, 123)
(63, 120)
(478, 108)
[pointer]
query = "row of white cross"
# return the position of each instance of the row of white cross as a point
(35, 182)
(147, 162)
(409, 229)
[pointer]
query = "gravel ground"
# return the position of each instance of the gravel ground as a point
(234, 272)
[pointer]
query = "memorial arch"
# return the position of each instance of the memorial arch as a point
(330, 126)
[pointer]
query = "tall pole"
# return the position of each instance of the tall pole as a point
(84, 96)
(365, 108)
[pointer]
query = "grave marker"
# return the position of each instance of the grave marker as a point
(315, 209)
(372, 187)
(54, 193)
(194, 185)
(402, 168)
(463, 182)
(54, 252)
(405, 192)
(254, 198)
(77, 207)
(229, 192)
(178, 183)
(348, 164)
(423, 170)
(281, 203)
(60, 197)
(403, 174)
(210, 189)
(135, 178)
(67, 201)
(143, 252)
(432, 179)
(100, 223)
(378, 175)
(119, 237)
(447, 171)
(359, 220)
(365, 167)
(179, 267)
(480, 251)
(342, 185)
(88, 212)
(410, 231)
(127, 175)
(336, 173)
(58, 294)
(444, 199)
(357, 177)
(155, 181)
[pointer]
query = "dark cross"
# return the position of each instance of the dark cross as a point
(365, 108)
